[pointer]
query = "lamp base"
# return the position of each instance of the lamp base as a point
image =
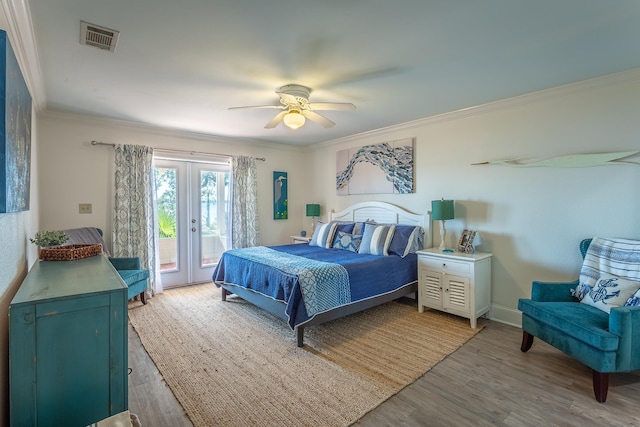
(443, 233)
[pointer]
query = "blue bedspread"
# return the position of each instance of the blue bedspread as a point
(368, 275)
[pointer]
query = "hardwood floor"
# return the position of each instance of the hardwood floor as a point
(488, 381)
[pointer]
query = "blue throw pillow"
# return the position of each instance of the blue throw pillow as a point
(345, 227)
(323, 235)
(634, 301)
(347, 241)
(406, 239)
(376, 239)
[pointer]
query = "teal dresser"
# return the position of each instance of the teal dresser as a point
(68, 344)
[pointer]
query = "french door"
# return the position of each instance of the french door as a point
(192, 200)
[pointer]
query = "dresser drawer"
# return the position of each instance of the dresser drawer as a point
(445, 266)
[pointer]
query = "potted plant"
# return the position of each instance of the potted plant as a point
(45, 239)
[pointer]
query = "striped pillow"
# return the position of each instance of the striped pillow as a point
(323, 235)
(376, 239)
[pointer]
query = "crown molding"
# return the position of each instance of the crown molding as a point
(502, 104)
(24, 46)
(163, 131)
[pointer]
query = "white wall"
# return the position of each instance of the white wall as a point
(531, 219)
(73, 171)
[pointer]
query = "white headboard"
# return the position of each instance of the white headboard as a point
(383, 212)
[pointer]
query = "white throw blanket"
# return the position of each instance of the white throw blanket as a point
(615, 257)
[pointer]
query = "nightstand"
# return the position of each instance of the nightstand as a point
(300, 239)
(455, 282)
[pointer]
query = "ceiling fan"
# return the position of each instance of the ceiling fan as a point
(296, 108)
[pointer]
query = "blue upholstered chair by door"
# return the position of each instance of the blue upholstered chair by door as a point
(135, 277)
(605, 342)
(132, 274)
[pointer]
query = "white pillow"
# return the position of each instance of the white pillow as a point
(610, 291)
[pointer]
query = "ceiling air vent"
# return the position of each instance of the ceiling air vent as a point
(100, 37)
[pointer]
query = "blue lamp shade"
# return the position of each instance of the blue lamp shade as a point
(440, 209)
(313, 210)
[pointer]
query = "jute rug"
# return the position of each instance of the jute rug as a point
(232, 364)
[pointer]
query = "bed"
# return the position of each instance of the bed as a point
(309, 284)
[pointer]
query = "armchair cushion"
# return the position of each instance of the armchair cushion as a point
(580, 321)
(132, 276)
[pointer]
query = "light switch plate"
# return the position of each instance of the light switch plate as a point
(84, 208)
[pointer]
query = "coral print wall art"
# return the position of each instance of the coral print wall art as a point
(280, 196)
(15, 131)
(378, 168)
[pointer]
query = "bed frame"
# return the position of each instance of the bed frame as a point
(380, 212)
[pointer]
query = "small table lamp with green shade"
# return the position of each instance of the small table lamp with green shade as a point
(313, 210)
(442, 210)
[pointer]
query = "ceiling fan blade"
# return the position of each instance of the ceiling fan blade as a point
(315, 117)
(336, 106)
(276, 120)
(279, 107)
(289, 99)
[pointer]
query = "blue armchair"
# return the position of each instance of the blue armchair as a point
(128, 268)
(605, 342)
(135, 277)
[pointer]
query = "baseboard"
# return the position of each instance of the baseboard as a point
(506, 315)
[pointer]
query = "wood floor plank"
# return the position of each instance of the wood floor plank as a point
(487, 382)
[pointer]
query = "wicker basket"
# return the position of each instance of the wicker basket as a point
(69, 252)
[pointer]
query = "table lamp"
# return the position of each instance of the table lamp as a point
(442, 210)
(313, 210)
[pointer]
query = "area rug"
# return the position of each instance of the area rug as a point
(232, 364)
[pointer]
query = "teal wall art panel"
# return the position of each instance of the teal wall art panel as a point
(280, 196)
(15, 132)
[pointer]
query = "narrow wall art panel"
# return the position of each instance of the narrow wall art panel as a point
(15, 131)
(280, 196)
(385, 168)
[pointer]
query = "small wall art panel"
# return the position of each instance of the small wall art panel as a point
(280, 196)
(385, 168)
(15, 132)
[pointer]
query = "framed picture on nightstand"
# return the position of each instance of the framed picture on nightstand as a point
(465, 244)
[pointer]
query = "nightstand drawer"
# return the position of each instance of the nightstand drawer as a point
(445, 266)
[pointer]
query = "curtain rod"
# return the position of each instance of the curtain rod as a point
(177, 151)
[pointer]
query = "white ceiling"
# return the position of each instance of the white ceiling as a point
(181, 64)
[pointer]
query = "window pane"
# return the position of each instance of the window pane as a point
(166, 197)
(213, 215)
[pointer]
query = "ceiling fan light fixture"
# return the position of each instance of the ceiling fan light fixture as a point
(293, 119)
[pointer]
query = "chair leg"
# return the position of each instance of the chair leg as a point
(600, 385)
(527, 341)
(143, 297)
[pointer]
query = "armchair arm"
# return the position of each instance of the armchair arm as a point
(625, 322)
(126, 263)
(553, 291)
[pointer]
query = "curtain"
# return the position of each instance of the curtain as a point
(133, 207)
(244, 203)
